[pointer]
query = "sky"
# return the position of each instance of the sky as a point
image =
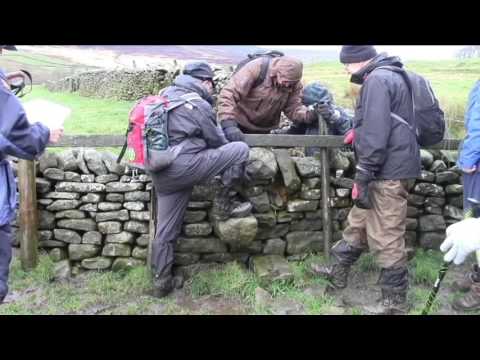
(406, 52)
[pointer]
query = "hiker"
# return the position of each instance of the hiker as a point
(387, 155)
(337, 118)
(20, 139)
(204, 154)
(468, 161)
(253, 100)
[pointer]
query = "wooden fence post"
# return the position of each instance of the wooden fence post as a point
(152, 226)
(28, 215)
(325, 171)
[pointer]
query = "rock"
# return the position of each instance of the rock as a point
(449, 157)
(92, 237)
(143, 240)
(280, 230)
(72, 177)
(431, 223)
(345, 183)
(254, 247)
(340, 202)
(411, 224)
(51, 244)
(82, 251)
(433, 209)
(427, 176)
(306, 225)
(109, 206)
(411, 238)
(431, 240)
(134, 206)
(427, 189)
(434, 201)
(304, 241)
(262, 297)
(110, 227)
(197, 205)
(252, 191)
(217, 258)
(438, 165)
(121, 215)
(46, 220)
(262, 164)
(415, 200)
(453, 212)
(277, 200)
(308, 167)
(312, 194)
(194, 216)
(87, 178)
(62, 270)
(426, 158)
(70, 214)
(54, 174)
(237, 230)
(193, 230)
(42, 186)
(58, 205)
(456, 201)
(120, 238)
(446, 177)
(110, 162)
(200, 245)
(126, 264)
(67, 161)
(80, 187)
(343, 193)
(302, 205)
(118, 187)
(285, 217)
(47, 160)
(270, 268)
(91, 198)
(413, 212)
(338, 160)
(117, 198)
(137, 196)
(140, 253)
(287, 168)
(260, 203)
(57, 254)
(62, 195)
(68, 236)
(266, 219)
(45, 202)
(140, 215)
(78, 224)
(97, 263)
(275, 247)
(312, 183)
(89, 207)
(454, 189)
(186, 259)
(45, 235)
(337, 214)
(136, 227)
(103, 179)
(94, 162)
(115, 250)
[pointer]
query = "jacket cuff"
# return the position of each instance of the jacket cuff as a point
(228, 123)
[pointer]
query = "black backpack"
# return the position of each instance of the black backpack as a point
(267, 56)
(428, 117)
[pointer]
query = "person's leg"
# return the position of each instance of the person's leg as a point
(5, 258)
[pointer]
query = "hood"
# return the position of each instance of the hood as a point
(287, 68)
(194, 85)
(380, 60)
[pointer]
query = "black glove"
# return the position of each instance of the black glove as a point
(231, 131)
(326, 110)
(360, 194)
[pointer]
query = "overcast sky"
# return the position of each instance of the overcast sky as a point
(406, 52)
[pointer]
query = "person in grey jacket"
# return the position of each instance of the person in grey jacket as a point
(204, 153)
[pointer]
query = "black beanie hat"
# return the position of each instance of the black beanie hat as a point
(356, 53)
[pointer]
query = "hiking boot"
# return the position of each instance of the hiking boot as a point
(468, 280)
(162, 286)
(3, 291)
(224, 208)
(337, 274)
(393, 302)
(470, 301)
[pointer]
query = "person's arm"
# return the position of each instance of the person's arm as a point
(295, 110)
(212, 134)
(470, 154)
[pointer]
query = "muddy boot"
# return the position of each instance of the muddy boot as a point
(469, 279)
(224, 208)
(470, 301)
(162, 285)
(344, 256)
(3, 291)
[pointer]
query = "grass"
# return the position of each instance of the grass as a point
(424, 267)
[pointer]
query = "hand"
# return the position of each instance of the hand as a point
(470, 171)
(231, 131)
(463, 238)
(55, 135)
(326, 110)
(360, 194)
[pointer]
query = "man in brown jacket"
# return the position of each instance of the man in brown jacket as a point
(246, 108)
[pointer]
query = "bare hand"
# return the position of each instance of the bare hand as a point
(55, 135)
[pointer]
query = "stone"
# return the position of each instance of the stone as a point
(194, 230)
(103, 179)
(198, 205)
(116, 198)
(411, 238)
(302, 205)
(82, 251)
(202, 245)
(411, 224)
(266, 219)
(110, 227)
(59, 205)
(433, 209)
(89, 207)
(119, 187)
(139, 253)
(415, 200)
(110, 162)
(62, 195)
(47, 160)
(51, 244)
(185, 258)
(140, 215)
(80, 187)
(434, 201)
(337, 214)
(91, 198)
(68, 236)
(143, 240)
(262, 164)
(54, 174)
(72, 177)
(252, 191)
(431, 240)
(261, 203)
(137, 196)
(109, 206)
(412, 212)
(427, 176)
(274, 247)
(431, 223)
(312, 194)
(216, 258)
(453, 212)
(134, 206)
(428, 189)
(262, 298)
(277, 200)
(286, 217)
(237, 230)
(136, 227)
(62, 270)
(92, 237)
(42, 186)
(308, 167)
(78, 224)
(426, 158)
(306, 225)
(287, 168)
(312, 183)
(57, 254)
(304, 241)
(438, 165)
(97, 263)
(454, 189)
(67, 161)
(194, 216)
(115, 250)
(121, 215)
(456, 201)
(338, 160)
(70, 214)
(126, 264)
(254, 247)
(270, 268)
(449, 157)
(87, 178)
(342, 182)
(44, 202)
(340, 202)
(343, 193)
(94, 162)
(446, 177)
(45, 235)
(280, 230)
(46, 220)
(120, 238)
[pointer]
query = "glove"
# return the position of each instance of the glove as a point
(360, 189)
(231, 131)
(326, 110)
(349, 138)
(463, 238)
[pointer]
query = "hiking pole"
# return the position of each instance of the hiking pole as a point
(443, 270)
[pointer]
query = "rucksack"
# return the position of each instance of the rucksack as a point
(147, 139)
(429, 119)
(267, 56)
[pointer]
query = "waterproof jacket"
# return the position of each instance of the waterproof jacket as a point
(383, 145)
(18, 138)
(258, 109)
(193, 128)
(470, 154)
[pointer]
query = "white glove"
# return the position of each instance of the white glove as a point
(463, 238)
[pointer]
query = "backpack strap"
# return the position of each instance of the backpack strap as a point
(263, 71)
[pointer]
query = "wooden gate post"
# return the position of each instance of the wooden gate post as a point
(325, 171)
(152, 226)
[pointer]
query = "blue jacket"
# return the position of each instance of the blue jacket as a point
(19, 139)
(470, 153)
